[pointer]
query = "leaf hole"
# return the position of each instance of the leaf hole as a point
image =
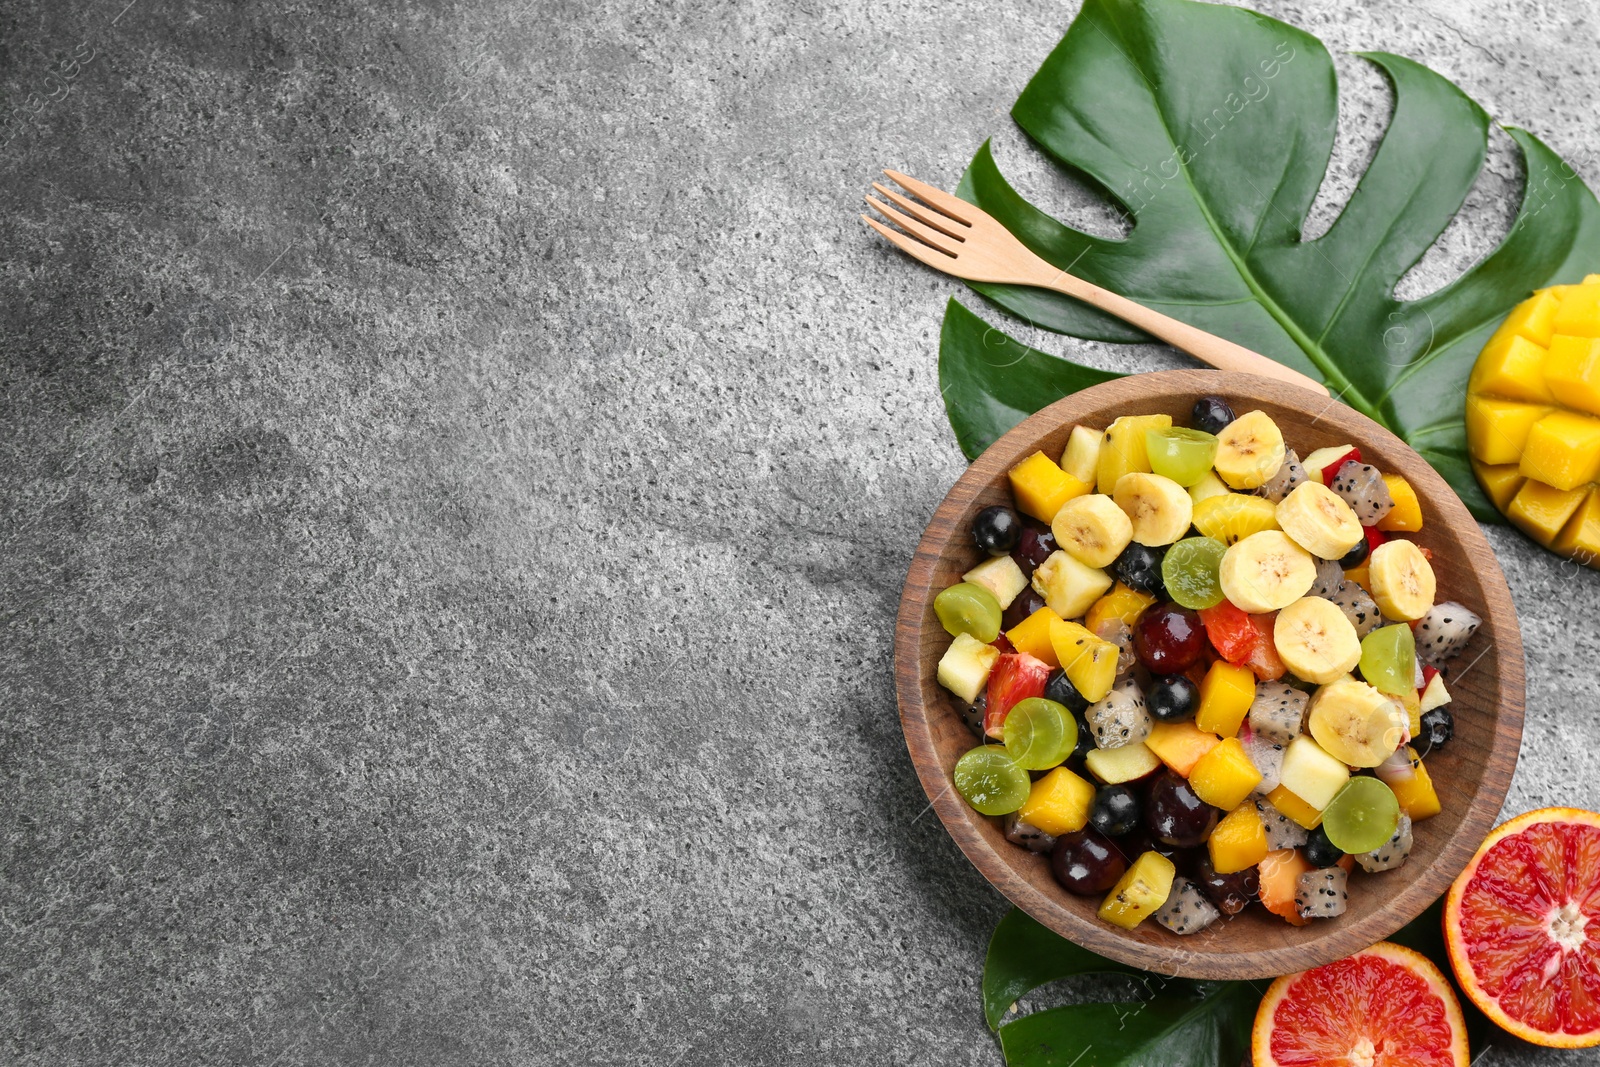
(1366, 103)
(1070, 197)
(1478, 228)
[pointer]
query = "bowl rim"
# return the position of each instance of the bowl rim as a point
(962, 822)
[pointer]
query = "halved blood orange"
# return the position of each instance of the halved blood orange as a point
(1385, 1007)
(1523, 926)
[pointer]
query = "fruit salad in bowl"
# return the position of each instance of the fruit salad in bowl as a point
(1204, 665)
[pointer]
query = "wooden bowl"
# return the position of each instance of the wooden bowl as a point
(1471, 774)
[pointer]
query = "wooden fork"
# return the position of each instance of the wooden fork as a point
(953, 236)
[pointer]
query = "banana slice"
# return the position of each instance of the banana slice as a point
(1249, 450)
(1316, 641)
(1266, 571)
(1319, 521)
(1159, 507)
(1402, 580)
(1356, 723)
(1093, 530)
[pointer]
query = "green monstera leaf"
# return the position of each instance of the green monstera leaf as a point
(1212, 127)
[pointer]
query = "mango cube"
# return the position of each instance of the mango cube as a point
(1226, 693)
(1416, 794)
(1572, 370)
(1143, 888)
(1224, 776)
(1540, 511)
(1238, 841)
(1292, 806)
(1579, 312)
(1041, 487)
(1114, 766)
(1497, 430)
(1058, 803)
(1500, 482)
(1534, 318)
(1122, 603)
(1563, 450)
(1180, 745)
(1032, 635)
(1511, 366)
(1406, 516)
(1580, 537)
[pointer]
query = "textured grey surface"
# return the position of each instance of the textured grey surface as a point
(459, 462)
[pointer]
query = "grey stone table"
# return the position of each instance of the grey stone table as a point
(459, 461)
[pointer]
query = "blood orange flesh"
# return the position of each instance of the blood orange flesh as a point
(1523, 926)
(1385, 1007)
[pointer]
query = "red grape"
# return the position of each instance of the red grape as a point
(1086, 863)
(1169, 638)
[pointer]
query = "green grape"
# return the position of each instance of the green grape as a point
(1181, 454)
(1040, 733)
(1389, 659)
(969, 608)
(1189, 571)
(991, 780)
(1363, 816)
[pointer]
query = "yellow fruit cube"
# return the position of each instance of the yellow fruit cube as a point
(1534, 318)
(1497, 430)
(1114, 766)
(1041, 487)
(1224, 776)
(964, 668)
(1226, 693)
(1121, 603)
(1563, 450)
(1361, 575)
(1511, 366)
(1500, 482)
(1540, 511)
(1406, 516)
(1058, 803)
(1579, 312)
(1069, 587)
(1232, 518)
(1032, 635)
(1142, 889)
(1081, 457)
(1089, 661)
(1239, 840)
(1572, 370)
(1411, 700)
(1180, 744)
(1123, 451)
(1416, 794)
(1580, 537)
(1292, 806)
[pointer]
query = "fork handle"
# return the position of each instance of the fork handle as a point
(1206, 347)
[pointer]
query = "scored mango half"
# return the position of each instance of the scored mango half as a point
(1533, 419)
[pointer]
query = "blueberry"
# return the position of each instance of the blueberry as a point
(1438, 727)
(1116, 810)
(1139, 567)
(1211, 414)
(1356, 556)
(1059, 687)
(1173, 698)
(1319, 851)
(1084, 746)
(996, 529)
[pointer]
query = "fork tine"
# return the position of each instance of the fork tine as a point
(915, 249)
(943, 223)
(956, 208)
(927, 234)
